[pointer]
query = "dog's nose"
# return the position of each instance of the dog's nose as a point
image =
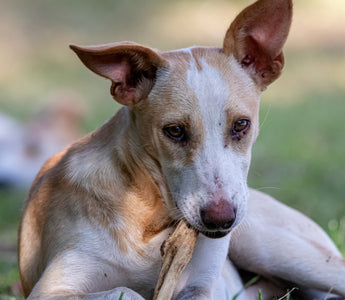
(218, 215)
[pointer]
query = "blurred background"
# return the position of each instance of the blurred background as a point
(48, 98)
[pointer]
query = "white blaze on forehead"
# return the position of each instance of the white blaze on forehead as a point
(212, 91)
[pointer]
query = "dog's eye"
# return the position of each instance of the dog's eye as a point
(175, 132)
(240, 125)
(239, 128)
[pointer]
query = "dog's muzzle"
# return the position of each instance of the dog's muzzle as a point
(218, 218)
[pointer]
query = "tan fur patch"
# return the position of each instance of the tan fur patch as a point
(144, 209)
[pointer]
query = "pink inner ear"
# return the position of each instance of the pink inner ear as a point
(267, 37)
(121, 89)
(117, 72)
(123, 94)
(131, 68)
(271, 26)
(262, 36)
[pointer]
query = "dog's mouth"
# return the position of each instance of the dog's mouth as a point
(210, 225)
(215, 234)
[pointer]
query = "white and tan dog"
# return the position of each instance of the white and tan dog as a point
(98, 212)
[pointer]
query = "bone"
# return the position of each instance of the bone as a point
(177, 251)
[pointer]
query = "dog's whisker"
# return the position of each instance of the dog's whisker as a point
(265, 117)
(268, 188)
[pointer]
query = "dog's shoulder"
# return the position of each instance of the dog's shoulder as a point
(53, 169)
(79, 163)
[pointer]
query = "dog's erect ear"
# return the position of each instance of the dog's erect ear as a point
(256, 38)
(131, 68)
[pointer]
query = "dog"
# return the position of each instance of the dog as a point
(180, 147)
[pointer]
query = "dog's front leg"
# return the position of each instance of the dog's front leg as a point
(76, 275)
(117, 293)
(201, 274)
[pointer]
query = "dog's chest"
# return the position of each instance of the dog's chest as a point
(143, 264)
(132, 262)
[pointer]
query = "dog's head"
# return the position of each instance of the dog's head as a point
(194, 112)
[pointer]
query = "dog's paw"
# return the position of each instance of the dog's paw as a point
(194, 293)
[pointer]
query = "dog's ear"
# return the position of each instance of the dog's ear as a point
(132, 68)
(256, 38)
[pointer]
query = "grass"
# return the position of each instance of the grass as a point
(299, 156)
(10, 207)
(285, 297)
(336, 230)
(247, 285)
(121, 295)
(254, 280)
(8, 278)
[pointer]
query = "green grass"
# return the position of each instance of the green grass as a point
(336, 229)
(287, 295)
(247, 285)
(121, 295)
(8, 277)
(10, 208)
(254, 280)
(299, 156)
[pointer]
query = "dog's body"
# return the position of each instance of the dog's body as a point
(98, 212)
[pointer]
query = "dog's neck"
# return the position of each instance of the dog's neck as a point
(146, 188)
(123, 176)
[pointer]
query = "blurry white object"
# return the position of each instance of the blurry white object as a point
(25, 147)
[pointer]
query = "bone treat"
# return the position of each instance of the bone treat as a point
(177, 252)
